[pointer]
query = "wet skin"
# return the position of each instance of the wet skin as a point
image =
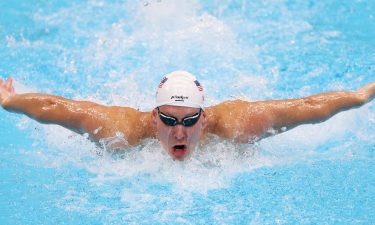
(179, 141)
(236, 120)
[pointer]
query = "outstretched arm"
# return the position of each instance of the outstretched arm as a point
(79, 116)
(46, 108)
(249, 121)
(316, 108)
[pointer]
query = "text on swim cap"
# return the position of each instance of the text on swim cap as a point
(179, 98)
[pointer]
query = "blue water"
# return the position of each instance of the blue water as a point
(115, 52)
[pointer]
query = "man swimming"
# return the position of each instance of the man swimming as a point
(179, 119)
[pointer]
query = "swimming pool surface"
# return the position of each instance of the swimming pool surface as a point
(115, 52)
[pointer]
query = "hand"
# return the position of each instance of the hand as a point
(367, 92)
(6, 90)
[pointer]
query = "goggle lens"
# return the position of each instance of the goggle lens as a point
(173, 121)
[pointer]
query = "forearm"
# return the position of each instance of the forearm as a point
(315, 108)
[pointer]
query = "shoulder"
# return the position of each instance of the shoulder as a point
(238, 119)
(221, 118)
(232, 107)
(107, 121)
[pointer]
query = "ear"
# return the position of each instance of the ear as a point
(154, 115)
(204, 119)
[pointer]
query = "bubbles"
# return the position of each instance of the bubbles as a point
(113, 144)
(121, 59)
(209, 167)
(11, 41)
(251, 51)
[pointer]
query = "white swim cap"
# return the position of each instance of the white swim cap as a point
(180, 88)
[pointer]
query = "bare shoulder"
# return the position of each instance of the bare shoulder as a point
(107, 121)
(240, 120)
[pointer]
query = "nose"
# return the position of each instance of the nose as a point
(179, 132)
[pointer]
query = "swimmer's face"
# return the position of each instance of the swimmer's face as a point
(179, 140)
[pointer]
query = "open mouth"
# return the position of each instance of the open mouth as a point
(179, 150)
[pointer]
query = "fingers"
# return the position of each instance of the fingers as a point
(368, 88)
(8, 84)
(371, 90)
(367, 92)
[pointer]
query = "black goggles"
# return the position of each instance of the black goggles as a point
(173, 121)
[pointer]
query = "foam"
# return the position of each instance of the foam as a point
(210, 167)
(152, 39)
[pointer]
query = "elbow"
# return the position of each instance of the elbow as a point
(324, 114)
(321, 115)
(316, 109)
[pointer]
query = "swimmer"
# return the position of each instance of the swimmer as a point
(179, 120)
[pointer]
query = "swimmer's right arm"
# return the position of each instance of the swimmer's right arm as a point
(45, 108)
(79, 116)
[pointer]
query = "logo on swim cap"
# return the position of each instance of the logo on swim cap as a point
(179, 98)
(180, 88)
(200, 88)
(162, 82)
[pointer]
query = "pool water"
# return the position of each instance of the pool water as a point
(115, 52)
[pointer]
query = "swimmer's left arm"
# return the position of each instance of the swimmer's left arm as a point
(245, 122)
(286, 114)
